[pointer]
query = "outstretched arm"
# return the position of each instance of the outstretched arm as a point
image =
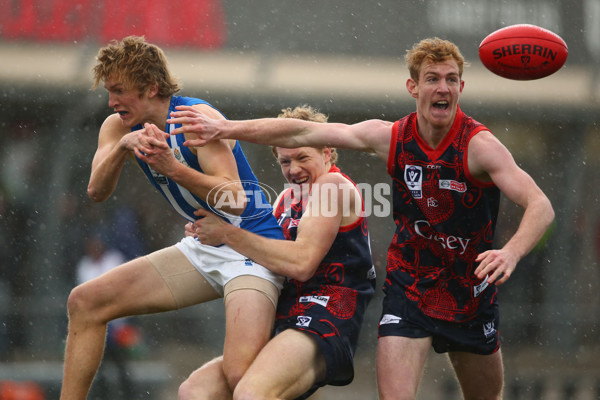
(372, 136)
(489, 159)
(219, 176)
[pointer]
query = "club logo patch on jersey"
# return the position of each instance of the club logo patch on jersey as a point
(489, 330)
(303, 321)
(158, 178)
(480, 288)
(450, 184)
(390, 319)
(321, 300)
(177, 153)
(372, 274)
(413, 176)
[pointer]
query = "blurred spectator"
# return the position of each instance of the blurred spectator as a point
(97, 260)
(122, 336)
(127, 235)
(20, 163)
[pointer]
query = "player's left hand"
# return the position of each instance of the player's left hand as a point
(497, 265)
(209, 228)
(156, 153)
(189, 230)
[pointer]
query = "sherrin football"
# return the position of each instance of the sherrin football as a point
(523, 52)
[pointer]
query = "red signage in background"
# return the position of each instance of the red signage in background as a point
(193, 23)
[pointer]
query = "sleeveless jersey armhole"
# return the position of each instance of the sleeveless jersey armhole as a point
(468, 174)
(393, 143)
(353, 225)
(359, 220)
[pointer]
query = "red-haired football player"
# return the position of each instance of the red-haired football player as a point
(331, 279)
(448, 171)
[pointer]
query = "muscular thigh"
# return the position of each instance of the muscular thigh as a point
(186, 285)
(287, 367)
(206, 383)
(249, 320)
(130, 289)
(400, 364)
(480, 376)
(162, 281)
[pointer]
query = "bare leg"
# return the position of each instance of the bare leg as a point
(400, 364)
(287, 367)
(480, 377)
(206, 383)
(133, 288)
(249, 322)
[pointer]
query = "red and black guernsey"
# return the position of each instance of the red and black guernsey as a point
(338, 293)
(444, 218)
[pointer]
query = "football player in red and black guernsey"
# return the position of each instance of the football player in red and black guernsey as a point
(331, 279)
(448, 171)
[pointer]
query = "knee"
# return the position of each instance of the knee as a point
(82, 304)
(247, 392)
(233, 376)
(234, 369)
(186, 391)
(190, 390)
(77, 302)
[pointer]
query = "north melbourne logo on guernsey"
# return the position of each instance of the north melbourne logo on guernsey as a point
(389, 319)
(158, 178)
(177, 153)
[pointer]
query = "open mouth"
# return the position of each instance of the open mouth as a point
(122, 113)
(300, 181)
(441, 105)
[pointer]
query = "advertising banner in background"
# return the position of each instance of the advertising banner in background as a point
(384, 28)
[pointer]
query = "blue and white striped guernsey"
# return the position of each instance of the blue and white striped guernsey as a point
(257, 217)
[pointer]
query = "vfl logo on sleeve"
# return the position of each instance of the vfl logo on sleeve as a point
(303, 321)
(321, 300)
(413, 176)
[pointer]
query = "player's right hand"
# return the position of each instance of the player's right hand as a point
(193, 122)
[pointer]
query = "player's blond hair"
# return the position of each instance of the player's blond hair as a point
(306, 113)
(138, 64)
(433, 50)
